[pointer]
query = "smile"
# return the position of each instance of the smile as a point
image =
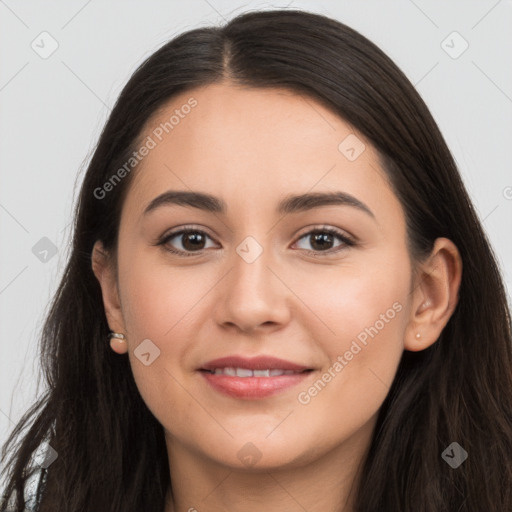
(252, 378)
(246, 372)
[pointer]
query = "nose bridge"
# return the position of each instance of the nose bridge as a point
(251, 273)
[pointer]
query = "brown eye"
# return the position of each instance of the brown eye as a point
(322, 240)
(192, 240)
(189, 241)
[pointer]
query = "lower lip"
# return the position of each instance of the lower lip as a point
(253, 388)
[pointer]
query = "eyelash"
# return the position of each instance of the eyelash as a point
(348, 242)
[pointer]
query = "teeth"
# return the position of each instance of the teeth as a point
(245, 372)
(261, 373)
(280, 372)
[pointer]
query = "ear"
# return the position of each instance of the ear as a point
(104, 270)
(435, 295)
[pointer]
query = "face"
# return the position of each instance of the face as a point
(307, 298)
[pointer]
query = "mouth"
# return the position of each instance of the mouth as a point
(246, 372)
(253, 378)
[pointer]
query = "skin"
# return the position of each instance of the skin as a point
(251, 147)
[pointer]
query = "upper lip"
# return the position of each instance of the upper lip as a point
(253, 363)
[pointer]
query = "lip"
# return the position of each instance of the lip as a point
(253, 363)
(253, 388)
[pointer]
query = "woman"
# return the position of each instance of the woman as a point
(340, 340)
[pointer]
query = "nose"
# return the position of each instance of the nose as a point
(253, 296)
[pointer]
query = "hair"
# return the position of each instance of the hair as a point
(111, 450)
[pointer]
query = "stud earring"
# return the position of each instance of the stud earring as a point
(119, 345)
(118, 335)
(418, 335)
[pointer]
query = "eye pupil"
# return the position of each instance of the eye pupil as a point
(321, 239)
(195, 238)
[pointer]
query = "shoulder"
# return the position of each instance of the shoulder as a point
(33, 488)
(31, 491)
(36, 479)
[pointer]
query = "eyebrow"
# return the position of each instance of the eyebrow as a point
(290, 204)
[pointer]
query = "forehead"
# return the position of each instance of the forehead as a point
(254, 145)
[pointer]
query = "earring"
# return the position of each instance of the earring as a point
(118, 335)
(119, 345)
(418, 335)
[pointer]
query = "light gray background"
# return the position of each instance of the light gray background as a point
(52, 111)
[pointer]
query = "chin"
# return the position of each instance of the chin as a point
(263, 455)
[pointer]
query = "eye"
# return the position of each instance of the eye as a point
(322, 238)
(191, 241)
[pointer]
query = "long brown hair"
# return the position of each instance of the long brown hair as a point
(111, 449)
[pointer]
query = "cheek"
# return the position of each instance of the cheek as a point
(354, 302)
(158, 299)
(159, 304)
(363, 318)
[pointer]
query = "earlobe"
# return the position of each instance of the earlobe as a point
(104, 271)
(118, 342)
(435, 295)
